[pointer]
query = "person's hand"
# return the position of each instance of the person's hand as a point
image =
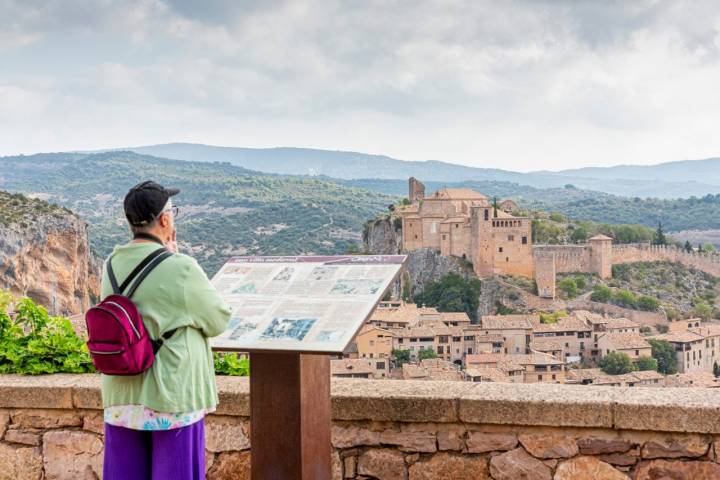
(172, 243)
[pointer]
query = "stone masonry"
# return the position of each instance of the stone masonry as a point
(51, 427)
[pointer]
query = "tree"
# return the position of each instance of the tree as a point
(616, 363)
(659, 237)
(568, 287)
(648, 303)
(625, 298)
(646, 363)
(495, 207)
(708, 248)
(664, 353)
(579, 235)
(601, 293)
(452, 293)
(401, 357)
(427, 353)
(688, 248)
(580, 282)
(702, 310)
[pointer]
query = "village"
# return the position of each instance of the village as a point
(410, 342)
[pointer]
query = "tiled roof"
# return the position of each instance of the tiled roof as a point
(353, 365)
(431, 369)
(546, 344)
(408, 314)
(680, 337)
(488, 374)
(695, 379)
(455, 317)
(647, 375)
(458, 194)
(536, 358)
(456, 220)
(624, 341)
(565, 324)
(589, 317)
(581, 374)
(507, 322)
(621, 323)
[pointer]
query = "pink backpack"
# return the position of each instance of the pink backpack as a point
(117, 339)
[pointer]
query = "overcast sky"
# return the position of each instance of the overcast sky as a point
(519, 85)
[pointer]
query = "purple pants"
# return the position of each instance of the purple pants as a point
(177, 454)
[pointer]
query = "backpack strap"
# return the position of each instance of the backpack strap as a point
(150, 266)
(156, 344)
(113, 280)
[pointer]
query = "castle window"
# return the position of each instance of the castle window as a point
(500, 249)
(511, 238)
(507, 259)
(444, 237)
(415, 237)
(524, 240)
(487, 215)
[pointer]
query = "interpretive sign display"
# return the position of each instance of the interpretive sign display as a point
(301, 304)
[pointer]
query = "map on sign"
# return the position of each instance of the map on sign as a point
(304, 304)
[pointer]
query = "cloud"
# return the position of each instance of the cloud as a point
(519, 84)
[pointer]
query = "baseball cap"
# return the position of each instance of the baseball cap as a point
(145, 201)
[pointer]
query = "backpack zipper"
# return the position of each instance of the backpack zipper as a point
(114, 352)
(132, 325)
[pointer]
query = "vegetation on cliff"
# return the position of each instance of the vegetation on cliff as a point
(452, 293)
(18, 209)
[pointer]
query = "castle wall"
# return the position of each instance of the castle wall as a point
(568, 258)
(708, 263)
(545, 274)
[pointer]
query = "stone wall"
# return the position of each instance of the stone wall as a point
(705, 262)
(50, 427)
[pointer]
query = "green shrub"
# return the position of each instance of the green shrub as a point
(568, 287)
(552, 317)
(664, 352)
(580, 282)
(426, 353)
(231, 364)
(646, 363)
(601, 293)
(624, 298)
(648, 303)
(616, 363)
(401, 356)
(452, 293)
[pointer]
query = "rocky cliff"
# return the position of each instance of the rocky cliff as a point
(383, 236)
(44, 254)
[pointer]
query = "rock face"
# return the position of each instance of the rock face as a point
(382, 237)
(587, 467)
(44, 254)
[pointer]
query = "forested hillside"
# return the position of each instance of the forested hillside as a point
(225, 210)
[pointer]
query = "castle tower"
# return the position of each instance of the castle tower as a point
(416, 190)
(545, 274)
(601, 255)
(481, 240)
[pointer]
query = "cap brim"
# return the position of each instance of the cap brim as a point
(172, 191)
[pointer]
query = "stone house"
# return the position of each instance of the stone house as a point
(536, 367)
(697, 349)
(549, 345)
(432, 369)
(374, 342)
(360, 368)
(574, 335)
(516, 330)
(446, 341)
(632, 344)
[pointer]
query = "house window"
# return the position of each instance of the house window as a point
(540, 378)
(507, 259)
(487, 215)
(524, 240)
(371, 355)
(457, 225)
(441, 349)
(637, 353)
(381, 365)
(415, 237)
(554, 377)
(500, 249)
(470, 350)
(372, 343)
(511, 238)
(444, 237)
(400, 340)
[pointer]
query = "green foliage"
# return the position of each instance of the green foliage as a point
(659, 236)
(426, 354)
(702, 310)
(557, 217)
(401, 356)
(502, 309)
(580, 282)
(662, 328)
(568, 287)
(708, 248)
(601, 293)
(624, 298)
(688, 248)
(452, 293)
(648, 303)
(552, 317)
(616, 363)
(35, 343)
(664, 352)
(231, 364)
(646, 363)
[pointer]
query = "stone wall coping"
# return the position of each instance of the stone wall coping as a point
(635, 408)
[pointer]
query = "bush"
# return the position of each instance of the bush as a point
(35, 343)
(625, 298)
(427, 353)
(601, 293)
(231, 364)
(401, 357)
(645, 330)
(616, 363)
(452, 293)
(568, 287)
(702, 310)
(646, 363)
(648, 303)
(662, 328)
(552, 317)
(580, 282)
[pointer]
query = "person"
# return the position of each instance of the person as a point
(154, 421)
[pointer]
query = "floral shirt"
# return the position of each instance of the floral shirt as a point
(140, 417)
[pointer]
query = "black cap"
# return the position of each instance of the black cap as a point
(145, 201)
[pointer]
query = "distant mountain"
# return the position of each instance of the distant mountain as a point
(668, 180)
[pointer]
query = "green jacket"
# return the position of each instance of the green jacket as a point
(176, 294)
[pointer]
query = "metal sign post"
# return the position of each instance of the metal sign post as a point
(291, 314)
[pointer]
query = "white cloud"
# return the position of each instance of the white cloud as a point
(517, 84)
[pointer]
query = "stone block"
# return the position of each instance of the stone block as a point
(538, 404)
(517, 464)
(663, 409)
(94, 422)
(40, 418)
(482, 442)
(23, 437)
(396, 400)
(410, 441)
(598, 446)
(348, 436)
(230, 466)
(450, 466)
(72, 455)
(41, 391)
(384, 464)
(677, 470)
(350, 463)
(336, 465)
(234, 393)
(20, 463)
(226, 434)
(587, 467)
(86, 392)
(676, 448)
(451, 437)
(4, 421)
(549, 446)
(619, 459)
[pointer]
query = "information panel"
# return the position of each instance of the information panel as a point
(301, 304)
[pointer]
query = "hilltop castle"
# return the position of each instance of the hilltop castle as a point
(493, 237)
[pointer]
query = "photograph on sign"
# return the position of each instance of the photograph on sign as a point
(304, 303)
